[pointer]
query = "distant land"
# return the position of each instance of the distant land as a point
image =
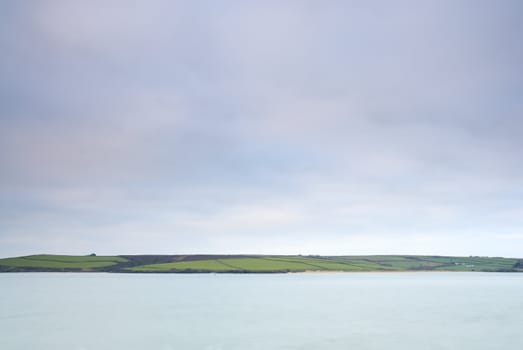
(255, 263)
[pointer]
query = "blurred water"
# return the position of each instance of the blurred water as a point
(54, 311)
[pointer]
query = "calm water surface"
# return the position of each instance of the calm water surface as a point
(49, 311)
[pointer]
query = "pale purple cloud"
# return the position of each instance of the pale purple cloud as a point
(261, 126)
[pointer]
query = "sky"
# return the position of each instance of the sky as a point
(263, 127)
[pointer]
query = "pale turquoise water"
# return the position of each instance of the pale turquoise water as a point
(462, 311)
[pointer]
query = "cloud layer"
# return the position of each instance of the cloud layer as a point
(261, 127)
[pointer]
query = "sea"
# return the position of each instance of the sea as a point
(349, 311)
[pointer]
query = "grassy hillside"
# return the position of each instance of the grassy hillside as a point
(59, 263)
(256, 263)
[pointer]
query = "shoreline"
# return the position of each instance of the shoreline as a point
(383, 271)
(312, 272)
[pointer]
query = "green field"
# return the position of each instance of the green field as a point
(256, 263)
(199, 265)
(260, 264)
(59, 263)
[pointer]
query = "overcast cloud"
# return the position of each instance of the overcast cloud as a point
(338, 127)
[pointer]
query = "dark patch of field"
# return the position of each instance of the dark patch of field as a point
(46, 262)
